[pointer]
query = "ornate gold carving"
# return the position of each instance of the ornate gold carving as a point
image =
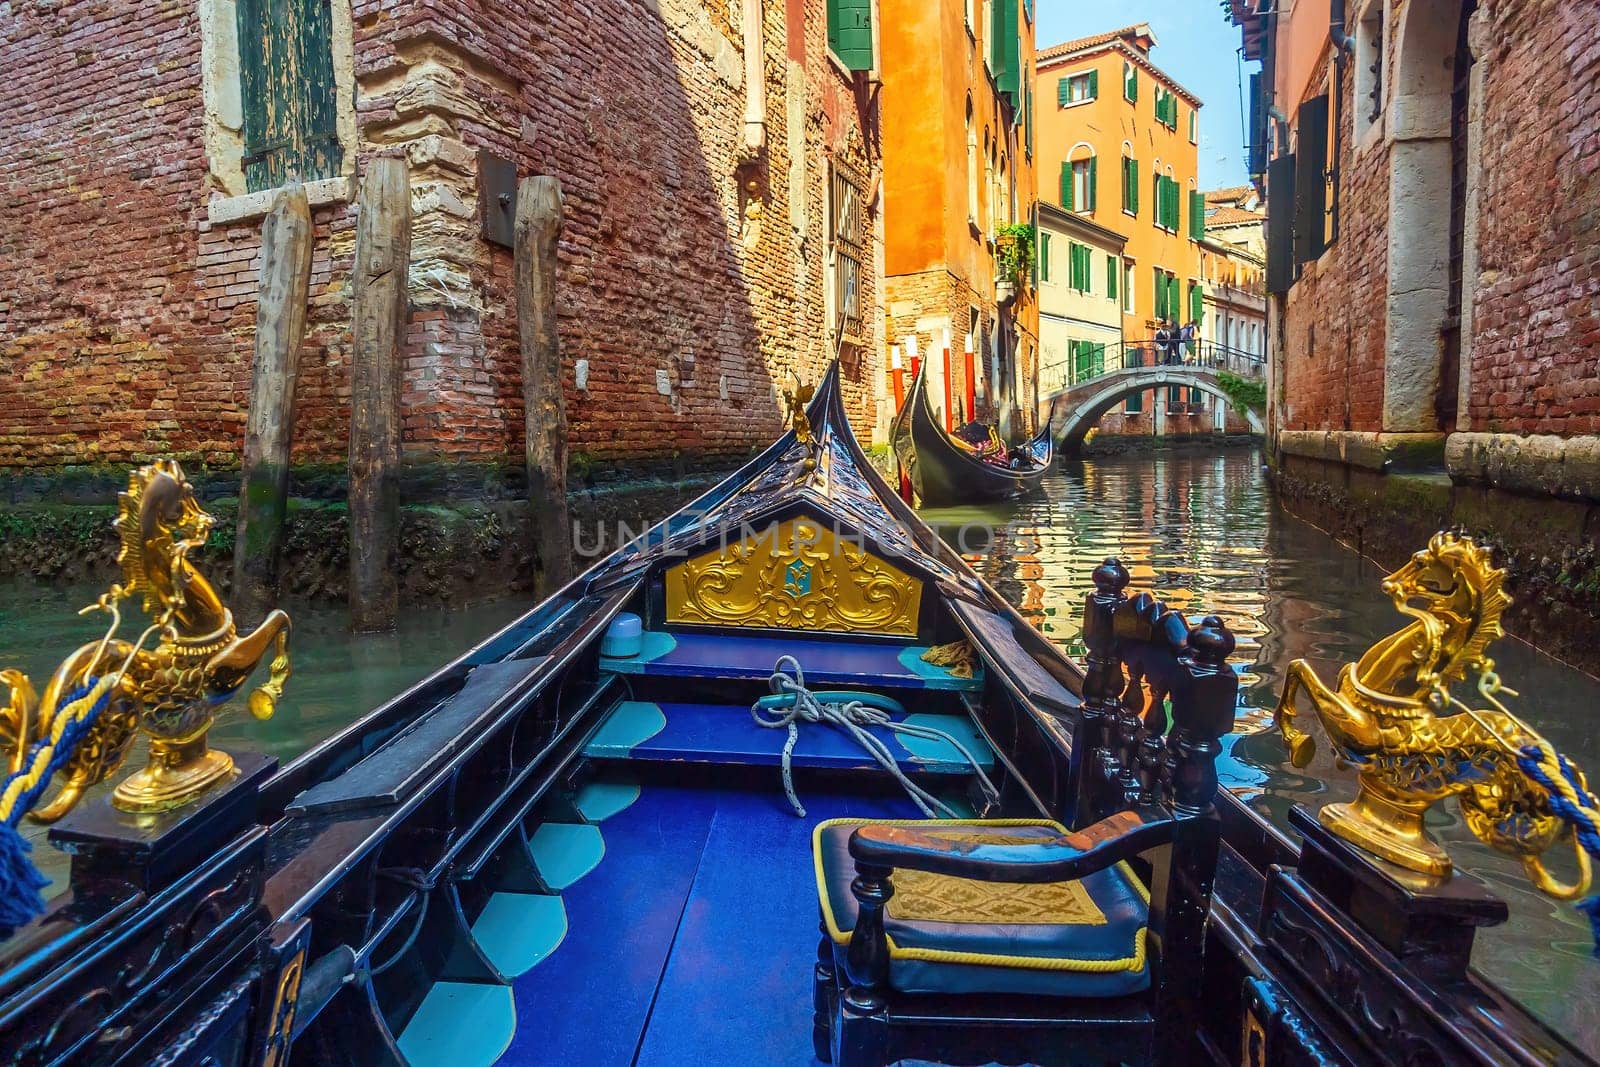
(924, 897)
(796, 575)
(167, 691)
(1393, 714)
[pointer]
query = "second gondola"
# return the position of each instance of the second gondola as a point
(944, 471)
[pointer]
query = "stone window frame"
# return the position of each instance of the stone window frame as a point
(1372, 50)
(228, 200)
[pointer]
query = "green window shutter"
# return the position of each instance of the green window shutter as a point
(1027, 117)
(1094, 85)
(1133, 186)
(1003, 30)
(1099, 359)
(1135, 403)
(1066, 186)
(287, 92)
(1197, 303)
(1194, 397)
(1161, 294)
(1130, 85)
(1111, 277)
(1044, 257)
(1063, 91)
(1197, 215)
(1177, 202)
(1093, 168)
(850, 32)
(1174, 296)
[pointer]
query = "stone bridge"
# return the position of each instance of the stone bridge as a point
(1076, 409)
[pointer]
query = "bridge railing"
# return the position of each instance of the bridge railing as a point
(1085, 362)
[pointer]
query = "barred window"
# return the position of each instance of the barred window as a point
(847, 246)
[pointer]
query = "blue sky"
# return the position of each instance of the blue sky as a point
(1195, 44)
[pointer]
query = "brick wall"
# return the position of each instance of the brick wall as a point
(127, 318)
(1536, 350)
(1535, 346)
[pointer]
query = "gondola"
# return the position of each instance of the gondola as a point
(946, 472)
(781, 779)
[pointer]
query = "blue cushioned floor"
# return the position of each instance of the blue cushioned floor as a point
(721, 733)
(698, 655)
(693, 939)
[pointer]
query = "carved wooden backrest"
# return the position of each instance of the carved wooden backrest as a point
(1142, 655)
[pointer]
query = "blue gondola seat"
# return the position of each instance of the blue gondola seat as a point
(1020, 941)
(1078, 938)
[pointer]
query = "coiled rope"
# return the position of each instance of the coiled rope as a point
(20, 880)
(854, 718)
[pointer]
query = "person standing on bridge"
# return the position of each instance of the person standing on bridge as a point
(1163, 342)
(1186, 342)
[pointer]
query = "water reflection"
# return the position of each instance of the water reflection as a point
(1201, 531)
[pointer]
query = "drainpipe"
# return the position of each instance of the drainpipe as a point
(755, 82)
(1343, 45)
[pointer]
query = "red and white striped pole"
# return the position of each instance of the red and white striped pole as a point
(897, 374)
(972, 379)
(949, 400)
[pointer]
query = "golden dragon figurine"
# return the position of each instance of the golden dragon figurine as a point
(170, 690)
(1393, 715)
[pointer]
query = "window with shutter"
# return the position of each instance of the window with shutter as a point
(850, 32)
(1006, 48)
(1197, 303)
(1044, 257)
(1310, 188)
(1174, 397)
(1135, 403)
(1112, 270)
(287, 92)
(1130, 82)
(1161, 293)
(1066, 186)
(1197, 215)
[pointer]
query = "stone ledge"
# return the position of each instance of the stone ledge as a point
(225, 209)
(1565, 467)
(1382, 452)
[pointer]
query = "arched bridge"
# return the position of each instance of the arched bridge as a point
(1075, 409)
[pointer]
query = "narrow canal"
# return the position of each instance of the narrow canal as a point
(1200, 530)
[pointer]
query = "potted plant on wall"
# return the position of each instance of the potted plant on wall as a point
(1014, 251)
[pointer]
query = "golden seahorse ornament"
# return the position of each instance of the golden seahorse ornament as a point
(1394, 716)
(195, 660)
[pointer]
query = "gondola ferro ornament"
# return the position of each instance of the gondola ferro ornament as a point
(166, 683)
(1394, 716)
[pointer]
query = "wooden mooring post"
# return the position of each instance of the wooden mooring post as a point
(538, 226)
(383, 257)
(286, 239)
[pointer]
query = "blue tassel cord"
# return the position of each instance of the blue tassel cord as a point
(20, 880)
(1569, 797)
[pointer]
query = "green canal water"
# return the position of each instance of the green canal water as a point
(1201, 531)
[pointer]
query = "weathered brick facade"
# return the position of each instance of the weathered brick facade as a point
(127, 301)
(1531, 350)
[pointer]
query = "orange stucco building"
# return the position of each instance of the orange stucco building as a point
(1118, 144)
(958, 170)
